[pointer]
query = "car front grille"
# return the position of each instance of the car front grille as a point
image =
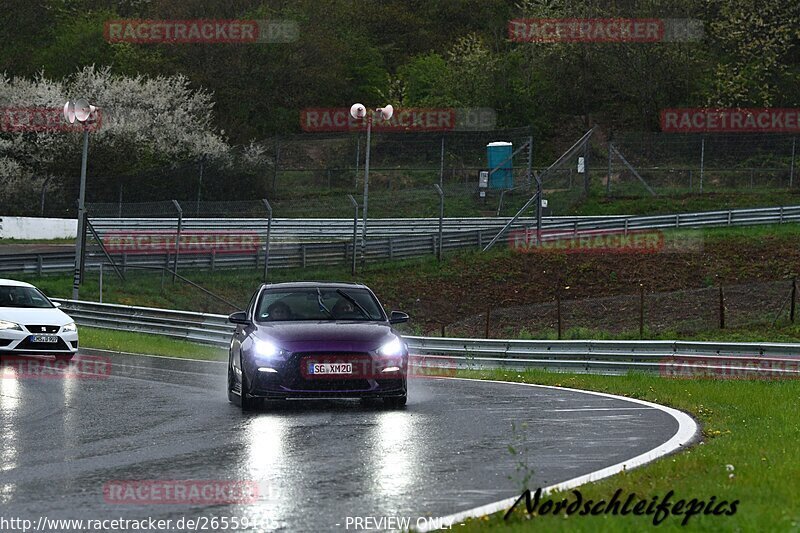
(43, 329)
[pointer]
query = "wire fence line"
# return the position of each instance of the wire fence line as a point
(309, 174)
(639, 314)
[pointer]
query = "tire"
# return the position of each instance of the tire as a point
(232, 396)
(245, 402)
(395, 402)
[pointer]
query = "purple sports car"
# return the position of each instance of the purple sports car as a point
(316, 340)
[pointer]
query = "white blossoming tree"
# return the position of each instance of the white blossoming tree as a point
(143, 121)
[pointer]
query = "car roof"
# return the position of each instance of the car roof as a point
(312, 284)
(14, 283)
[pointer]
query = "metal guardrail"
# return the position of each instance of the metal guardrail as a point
(390, 246)
(580, 355)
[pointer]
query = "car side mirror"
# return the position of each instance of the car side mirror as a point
(239, 317)
(398, 317)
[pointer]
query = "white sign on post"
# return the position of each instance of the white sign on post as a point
(580, 165)
(544, 202)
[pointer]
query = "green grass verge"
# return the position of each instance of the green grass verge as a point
(751, 425)
(128, 341)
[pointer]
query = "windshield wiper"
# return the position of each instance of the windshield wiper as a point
(353, 301)
(322, 305)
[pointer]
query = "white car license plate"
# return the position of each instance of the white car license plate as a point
(330, 368)
(44, 338)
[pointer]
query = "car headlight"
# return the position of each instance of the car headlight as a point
(5, 324)
(393, 348)
(265, 348)
(69, 328)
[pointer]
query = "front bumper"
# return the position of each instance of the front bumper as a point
(290, 381)
(14, 342)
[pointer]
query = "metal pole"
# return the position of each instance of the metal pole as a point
(355, 231)
(101, 282)
(177, 238)
(199, 188)
(702, 161)
(76, 280)
(358, 161)
(586, 168)
(608, 179)
(530, 159)
(539, 209)
(441, 164)
(119, 212)
(791, 167)
(366, 192)
(441, 219)
(266, 244)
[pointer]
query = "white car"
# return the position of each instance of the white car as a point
(30, 324)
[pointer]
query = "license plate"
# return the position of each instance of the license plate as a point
(330, 368)
(44, 338)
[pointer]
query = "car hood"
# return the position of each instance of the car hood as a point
(23, 315)
(315, 336)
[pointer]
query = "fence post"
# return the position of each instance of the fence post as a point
(641, 311)
(269, 229)
(441, 164)
(608, 179)
(355, 233)
(480, 239)
(101, 282)
(721, 308)
(358, 161)
(794, 294)
(213, 258)
(791, 166)
(177, 237)
(39, 264)
(441, 216)
(558, 310)
(277, 163)
(702, 161)
(585, 173)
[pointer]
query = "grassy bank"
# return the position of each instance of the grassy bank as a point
(127, 341)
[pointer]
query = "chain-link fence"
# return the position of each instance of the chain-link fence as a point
(695, 163)
(310, 175)
(646, 313)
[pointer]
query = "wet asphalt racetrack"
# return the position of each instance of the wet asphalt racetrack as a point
(316, 463)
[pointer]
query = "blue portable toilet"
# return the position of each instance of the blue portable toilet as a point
(499, 156)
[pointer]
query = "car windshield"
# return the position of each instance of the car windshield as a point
(29, 297)
(318, 303)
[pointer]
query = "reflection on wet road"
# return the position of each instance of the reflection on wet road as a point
(315, 464)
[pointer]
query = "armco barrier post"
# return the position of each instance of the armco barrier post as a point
(177, 237)
(355, 234)
(441, 218)
(266, 243)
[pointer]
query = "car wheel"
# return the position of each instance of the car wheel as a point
(246, 403)
(63, 357)
(395, 402)
(232, 396)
